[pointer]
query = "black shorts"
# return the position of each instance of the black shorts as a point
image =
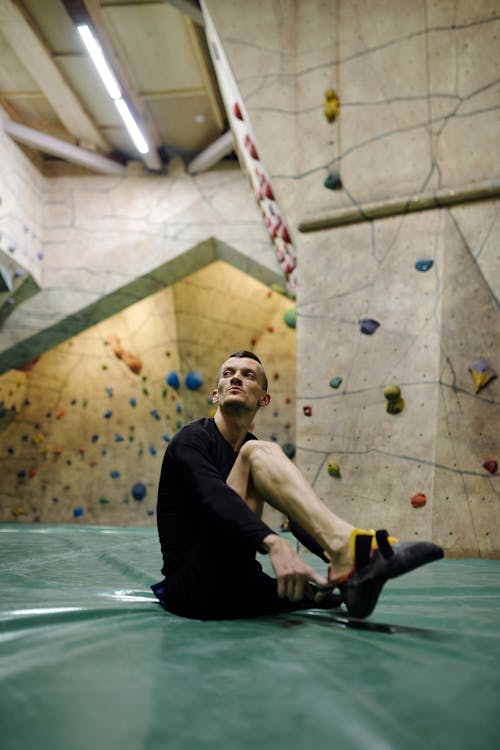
(215, 595)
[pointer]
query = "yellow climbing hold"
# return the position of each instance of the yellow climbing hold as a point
(394, 403)
(331, 105)
(334, 470)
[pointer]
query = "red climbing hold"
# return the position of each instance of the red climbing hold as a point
(61, 414)
(308, 410)
(418, 500)
(491, 466)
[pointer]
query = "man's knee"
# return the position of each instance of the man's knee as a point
(254, 451)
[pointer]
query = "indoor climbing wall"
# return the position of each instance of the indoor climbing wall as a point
(95, 244)
(377, 125)
(83, 428)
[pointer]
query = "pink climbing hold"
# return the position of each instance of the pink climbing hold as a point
(491, 466)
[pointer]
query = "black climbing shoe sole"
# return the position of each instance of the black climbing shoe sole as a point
(361, 591)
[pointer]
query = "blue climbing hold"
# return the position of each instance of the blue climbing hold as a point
(178, 408)
(194, 380)
(108, 414)
(368, 326)
(94, 438)
(21, 474)
(289, 450)
(77, 512)
(115, 475)
(165, 438)
(139, 491)
(424, 265)
(152, 450)
(154, 413)
(133, 402)
(172, 380)
(119, 438)
(109, 390)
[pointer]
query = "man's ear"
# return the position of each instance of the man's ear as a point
(215, 396)
(265, 400)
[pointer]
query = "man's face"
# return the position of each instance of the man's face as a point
(241, 385)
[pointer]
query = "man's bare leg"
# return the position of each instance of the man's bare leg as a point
(262, 472)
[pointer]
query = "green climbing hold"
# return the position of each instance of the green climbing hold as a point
(290, 317)
(333, 181)
(334, 470)
(335, 382)
(104, 501)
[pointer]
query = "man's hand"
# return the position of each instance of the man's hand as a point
(292, 573)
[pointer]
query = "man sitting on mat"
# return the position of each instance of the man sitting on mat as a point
(215, 478)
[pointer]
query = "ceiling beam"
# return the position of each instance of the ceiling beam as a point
(48, 144)
(34, 55)
(212, 154)
(188, 9)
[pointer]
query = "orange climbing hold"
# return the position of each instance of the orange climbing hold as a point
(131, 360)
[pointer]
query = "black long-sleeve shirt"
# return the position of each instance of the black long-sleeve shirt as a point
(195, 502)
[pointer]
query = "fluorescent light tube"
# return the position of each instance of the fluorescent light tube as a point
(95, 52)
(132, 127)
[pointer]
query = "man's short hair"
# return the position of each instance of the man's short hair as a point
(250, 355)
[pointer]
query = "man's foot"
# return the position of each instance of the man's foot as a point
(373, 567)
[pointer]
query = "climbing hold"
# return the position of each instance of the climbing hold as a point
(119, 438)
(145, 392)
(289, 450)
(154, 413)
(368, 326)
(179, 423)
(331, 105)
(165, 438)
(104, 501)
(237, 111)
(133, 402)
(418, 500)
(37, 438)
(270, 329)
(94, 438)
(152, 450)
(17, 511)
(194, 380)
(61, 414)
(335, 382)
(108, 414)
(39, 255)
(307, 410)
(274, 438)
(81, 450)
(491, 466)
(21, 474)
(58, 451)
(78, 512)
(109, 391)
(482, 372)
(394, 403)
(276, 376)
(332, 180)
(178, 408)
(334, 470)
(115, 474)
(133, 363)
(290, 317)
(139, 491)
(32, 473)
(424, 265)
(172, 379)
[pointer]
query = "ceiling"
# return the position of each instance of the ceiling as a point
(158, 52)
